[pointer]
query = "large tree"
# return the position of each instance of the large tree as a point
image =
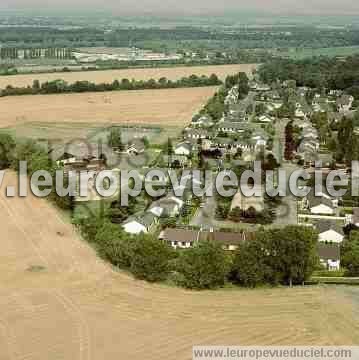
(205, 266)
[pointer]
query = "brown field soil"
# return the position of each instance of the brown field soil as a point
(59, 301)
(168, 107)
(108, 76)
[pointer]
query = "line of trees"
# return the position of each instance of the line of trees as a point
(286, 256)
(215, 107)
(315, 73)
(61, 86)
(37, 158)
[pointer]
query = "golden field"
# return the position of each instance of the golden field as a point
(108, 76)
(167, 107)
(59, 301)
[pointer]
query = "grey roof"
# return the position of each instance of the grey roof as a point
(186, 145)
(147, 219)
(179, 235)
(327, 224)
(221, 237)
(138, 144)
(200, 132)
(319, 200)
(223, 141)
(232, 125)
(328, 251)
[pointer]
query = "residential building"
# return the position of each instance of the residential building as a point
(184, 148)
(330, 231)
(140, 224)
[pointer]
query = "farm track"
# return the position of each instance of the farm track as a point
(78, 308)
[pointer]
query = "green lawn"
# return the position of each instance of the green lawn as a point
(298, 53)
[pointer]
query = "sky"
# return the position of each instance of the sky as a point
(118, 7)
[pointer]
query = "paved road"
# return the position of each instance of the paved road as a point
(205, 215)
(279, 140)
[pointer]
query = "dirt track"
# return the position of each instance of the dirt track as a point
(173, 107)
(108, 76)
(78, 308)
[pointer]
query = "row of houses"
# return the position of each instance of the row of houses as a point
(328, 253)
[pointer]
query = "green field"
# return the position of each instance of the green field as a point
(302, 53)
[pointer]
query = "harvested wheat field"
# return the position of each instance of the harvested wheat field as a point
(108, 76)
(59, 301)
(168, 107)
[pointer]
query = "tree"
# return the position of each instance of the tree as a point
(205, 266)
(277, 256)
(236, 214)
(249, 267)
(150, 260)
(292, 253)
(114, 139)
(114, 245)
(7, 145)
(350, 254)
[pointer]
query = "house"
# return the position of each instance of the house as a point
(344, 103)
(231, 127)
(229, 241)
(321, 204)
(196, 134)
(135, 147)
(330, 231)
(329, 256)
(265, 119)
(143, 224)
(180, 238)
(202, 121)
(184, 148)
(256, 86)
(169, 206)
(185, 238)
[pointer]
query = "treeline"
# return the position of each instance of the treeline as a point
(61, 86)
(37, 158)
(318, 73)
(274, 257)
